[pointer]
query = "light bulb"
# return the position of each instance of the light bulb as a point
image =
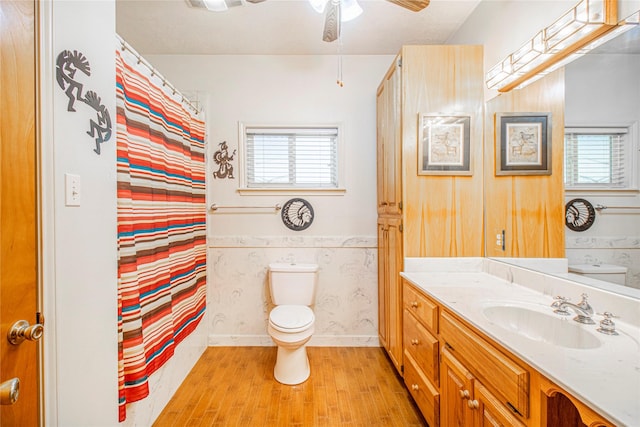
(349, 9)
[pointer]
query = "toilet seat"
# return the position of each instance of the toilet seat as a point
(291, 318)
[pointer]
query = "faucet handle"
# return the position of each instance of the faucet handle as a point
(558, 305)
(606, 325)
(584, 304)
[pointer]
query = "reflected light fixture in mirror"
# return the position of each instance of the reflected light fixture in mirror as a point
(571, 33)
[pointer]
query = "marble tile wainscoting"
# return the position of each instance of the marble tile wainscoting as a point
(346, 307)
(624, 251)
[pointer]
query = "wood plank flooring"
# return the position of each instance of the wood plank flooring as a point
(349, 386)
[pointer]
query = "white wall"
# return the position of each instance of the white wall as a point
(343, 236)
(604, 90)
(80, 293)
(79, 265)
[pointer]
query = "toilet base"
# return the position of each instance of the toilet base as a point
(292, 365)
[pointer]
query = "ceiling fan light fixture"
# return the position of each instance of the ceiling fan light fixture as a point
(350, 9)
(318, 5)
(215, 5)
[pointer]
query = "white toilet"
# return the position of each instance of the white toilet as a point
(291, 322)
(607, 272)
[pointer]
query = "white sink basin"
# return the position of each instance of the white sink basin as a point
(542, 327)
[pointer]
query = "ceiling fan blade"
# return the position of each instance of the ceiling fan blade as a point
(254, 1)
(331, 22)
(413, 5)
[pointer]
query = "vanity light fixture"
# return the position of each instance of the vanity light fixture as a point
(573, 32)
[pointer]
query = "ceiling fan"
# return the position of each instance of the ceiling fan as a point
(335, 11)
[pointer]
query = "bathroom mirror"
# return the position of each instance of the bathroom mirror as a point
(596, 81)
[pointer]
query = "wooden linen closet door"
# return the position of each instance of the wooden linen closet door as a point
(18, 208)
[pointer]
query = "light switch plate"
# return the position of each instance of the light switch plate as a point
(72, 188)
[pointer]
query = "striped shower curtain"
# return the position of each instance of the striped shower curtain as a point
(161, 224)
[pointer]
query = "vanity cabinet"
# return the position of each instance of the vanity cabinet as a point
(459, 377)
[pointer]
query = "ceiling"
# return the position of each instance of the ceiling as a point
(282, 27)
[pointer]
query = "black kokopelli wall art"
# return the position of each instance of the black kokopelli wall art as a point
(223, 159)
(68, 64)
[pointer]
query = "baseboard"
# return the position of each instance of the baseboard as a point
(316, 341)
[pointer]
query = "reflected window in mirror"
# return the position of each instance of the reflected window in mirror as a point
(598, 158)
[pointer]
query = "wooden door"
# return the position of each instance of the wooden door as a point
(456, 391)
(18, 263)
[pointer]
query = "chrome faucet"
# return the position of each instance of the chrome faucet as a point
(583, 310)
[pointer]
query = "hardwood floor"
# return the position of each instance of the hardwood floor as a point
(234, 386)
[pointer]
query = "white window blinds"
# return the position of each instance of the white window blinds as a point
(595, 158)
(291, 157)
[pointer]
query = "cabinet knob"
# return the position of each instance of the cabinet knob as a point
(414, 304)
(414, 387)
(464, 394)
(473, 404)
(415, 341)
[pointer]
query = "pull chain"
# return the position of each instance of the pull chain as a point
(339, 81)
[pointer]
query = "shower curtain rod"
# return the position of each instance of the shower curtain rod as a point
(126, 46)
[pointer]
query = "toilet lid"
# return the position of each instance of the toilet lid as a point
(291, 318)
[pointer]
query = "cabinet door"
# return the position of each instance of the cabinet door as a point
(389, 288)
(456, 388)
(394, 264)
(489, 411)
(389, 145)
(383, 283)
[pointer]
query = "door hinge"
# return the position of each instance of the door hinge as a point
(400, 228)
(400, 62)
(400, 205)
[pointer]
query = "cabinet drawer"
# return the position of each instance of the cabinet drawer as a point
(508, 380)
(422, 346)
(426, 396)
(424, 310)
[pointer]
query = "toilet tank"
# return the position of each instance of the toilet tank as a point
(607, 272)
(293, 283)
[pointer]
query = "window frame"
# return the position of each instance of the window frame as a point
(242, 155)
(631, 155)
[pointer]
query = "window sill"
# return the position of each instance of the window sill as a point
(297, 191)
(602, 191)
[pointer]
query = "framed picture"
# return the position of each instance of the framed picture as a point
(443, 148)
(524, 143)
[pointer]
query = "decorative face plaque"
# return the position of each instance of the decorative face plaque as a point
(579, 214)
(297, 214)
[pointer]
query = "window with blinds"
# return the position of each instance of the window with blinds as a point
(595, 158)
(291, 157)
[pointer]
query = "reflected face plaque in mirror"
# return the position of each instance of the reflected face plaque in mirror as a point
(579, 214)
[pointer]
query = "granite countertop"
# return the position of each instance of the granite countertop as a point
(606, 377)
